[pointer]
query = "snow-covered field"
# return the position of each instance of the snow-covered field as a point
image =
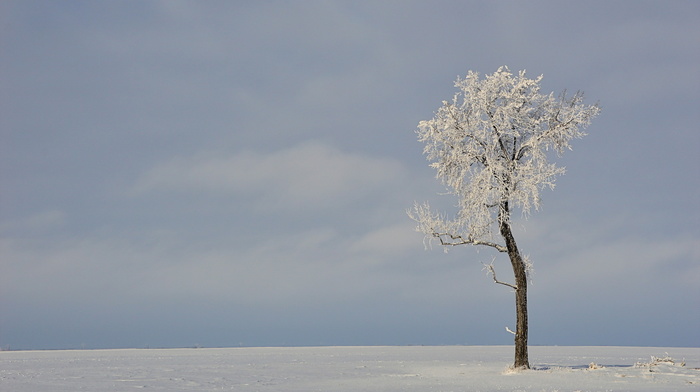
(352, 369)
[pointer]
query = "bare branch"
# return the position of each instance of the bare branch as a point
(492, 271)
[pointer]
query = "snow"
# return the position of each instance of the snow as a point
(406, 368)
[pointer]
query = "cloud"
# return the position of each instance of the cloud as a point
(38, 222)
(305, 268)
(636, 264)
(389, 241)
(308, 174)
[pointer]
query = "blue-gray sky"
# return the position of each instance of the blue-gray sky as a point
(179, 173)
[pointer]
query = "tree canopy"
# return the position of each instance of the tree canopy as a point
(489, 146)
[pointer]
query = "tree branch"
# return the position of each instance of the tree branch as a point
(500, 141)
(455, 240)
(522, 151)
(492, 271)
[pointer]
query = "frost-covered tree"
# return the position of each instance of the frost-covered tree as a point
(490, 148)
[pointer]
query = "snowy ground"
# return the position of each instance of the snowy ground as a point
(351, 369)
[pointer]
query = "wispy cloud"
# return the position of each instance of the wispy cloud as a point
(308, 174)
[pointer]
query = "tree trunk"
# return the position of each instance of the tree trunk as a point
(520, 272)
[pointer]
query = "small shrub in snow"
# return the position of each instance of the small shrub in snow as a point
(655, 361)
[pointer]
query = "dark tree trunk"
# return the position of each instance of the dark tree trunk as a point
(520, 272)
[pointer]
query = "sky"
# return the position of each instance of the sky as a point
(222, 174)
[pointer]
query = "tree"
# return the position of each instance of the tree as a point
(489, 147)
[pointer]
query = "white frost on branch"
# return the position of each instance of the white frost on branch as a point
(489, 147)
(438, 227)
(529, 267)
